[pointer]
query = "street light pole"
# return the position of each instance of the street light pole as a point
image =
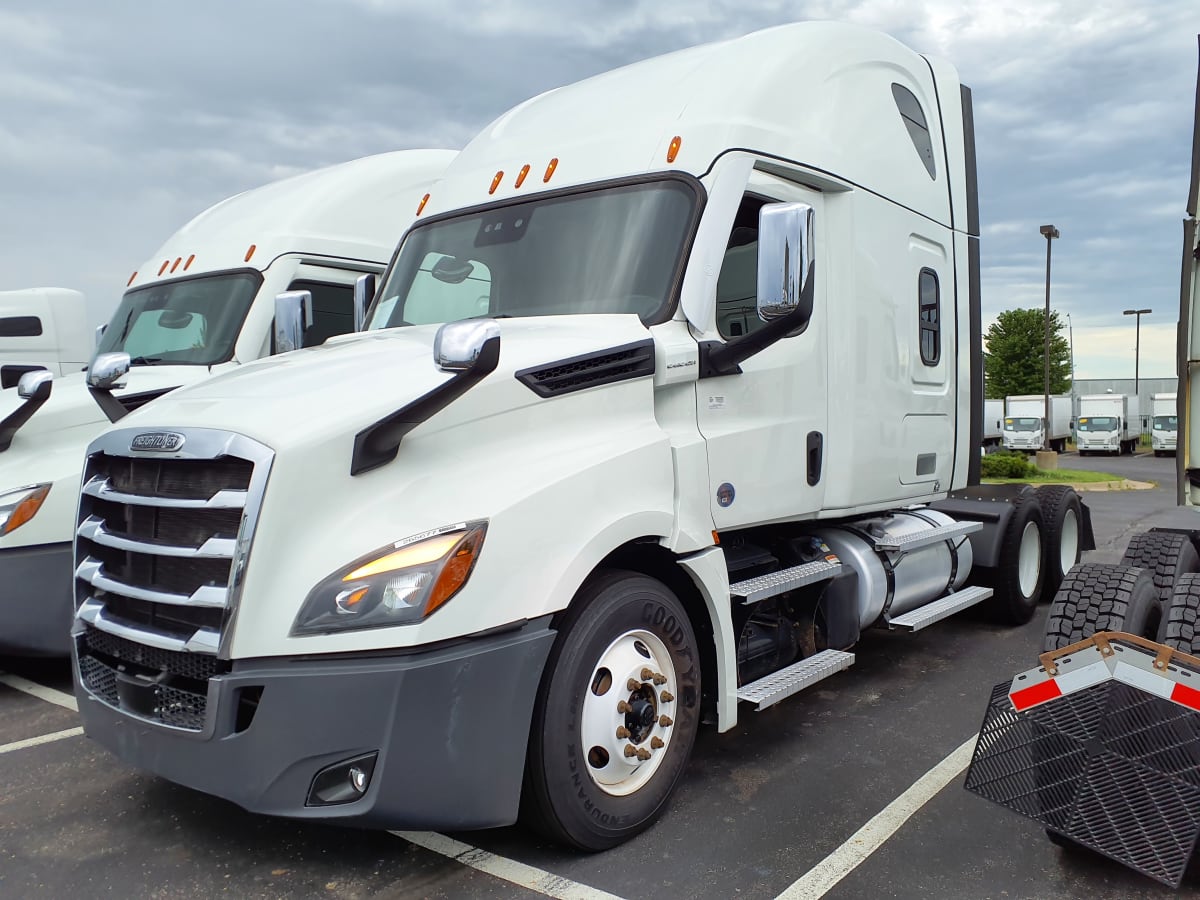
(1049, 232)
(1071, 336)
(1137, 346)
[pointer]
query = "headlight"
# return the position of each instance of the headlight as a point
(18, 507)
(397, 584)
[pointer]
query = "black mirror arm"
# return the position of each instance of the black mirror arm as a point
(109, 405)
(13, 422)
(717, 358)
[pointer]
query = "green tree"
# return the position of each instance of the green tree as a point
(1014, 354)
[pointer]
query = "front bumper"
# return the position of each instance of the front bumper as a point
(449, 725)
(36, 605)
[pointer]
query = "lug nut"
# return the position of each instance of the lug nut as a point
(647, 675)
(666, 721)
(666, 696)
(623, 707)
(622, 732)
(656, 743)
(633, 685)
(630, 750)
(642, 753)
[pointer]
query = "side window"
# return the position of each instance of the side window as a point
(447, 289)
(914, 121)
(737, 282)
(929, 303)
(20, 326)
(333, 310)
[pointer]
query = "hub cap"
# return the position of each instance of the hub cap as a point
(1029, 560)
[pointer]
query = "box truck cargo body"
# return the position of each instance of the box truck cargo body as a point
(1026, 427)
(1164, 429)
(1108, 423)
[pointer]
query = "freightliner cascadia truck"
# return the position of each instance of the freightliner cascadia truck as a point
(43, 328)
(205, 302)
(673, 389)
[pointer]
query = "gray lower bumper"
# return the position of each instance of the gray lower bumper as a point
(35, 600)
(450, 727)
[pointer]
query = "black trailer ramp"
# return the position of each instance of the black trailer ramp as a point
(1101, 745)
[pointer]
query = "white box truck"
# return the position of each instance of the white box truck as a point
(1164, 430)
(43, 328)
(204, 303)
(1026, 425)
(588, 480)
(1107, 423)
(993, 423)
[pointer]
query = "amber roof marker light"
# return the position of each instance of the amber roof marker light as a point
(673, 150)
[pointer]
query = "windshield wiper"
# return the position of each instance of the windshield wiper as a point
(145, 360)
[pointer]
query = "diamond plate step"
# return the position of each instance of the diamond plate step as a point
(794, 678)
(918, 539)
(774, 583)
(916, 619)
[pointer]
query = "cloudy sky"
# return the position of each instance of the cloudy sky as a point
(121, 120)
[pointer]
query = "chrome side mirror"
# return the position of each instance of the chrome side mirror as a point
(35, 385)
(108, 371)
(293, 316)
(785, 261)
(457, 345)
(364, 293)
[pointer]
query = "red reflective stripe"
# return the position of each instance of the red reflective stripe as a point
(1032, 696)
(1186, 696)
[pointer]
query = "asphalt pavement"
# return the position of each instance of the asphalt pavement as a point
(787, 796)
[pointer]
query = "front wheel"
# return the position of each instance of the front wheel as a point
(616, 714)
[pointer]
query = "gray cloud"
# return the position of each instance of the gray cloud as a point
(119, 121)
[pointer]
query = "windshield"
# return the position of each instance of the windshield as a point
(194, 322)
(1022, 424)
(613, 250)
(1166, 423)
(1098, 423)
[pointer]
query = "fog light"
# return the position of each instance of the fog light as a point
(343, 782)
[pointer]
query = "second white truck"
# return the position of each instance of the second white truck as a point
(1108, 423)
(43, 328)
(1164, 430)
(1026, 426)
(206, 302)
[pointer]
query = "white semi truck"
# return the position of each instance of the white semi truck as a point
(1108, 423)
(1164, 430)
(204, 303)
(993, 423)
(588, 480)
(43, 328)
(1026, 426)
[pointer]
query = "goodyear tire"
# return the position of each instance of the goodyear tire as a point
(1016, 582)
(1063, 514)
(1182, 631)
(616, 713)
(1103, 597)
(1165, 555)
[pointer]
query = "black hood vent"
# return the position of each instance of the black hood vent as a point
(564, 376)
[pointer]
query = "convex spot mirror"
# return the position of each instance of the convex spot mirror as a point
(108, 371)
(457, 345)
(786, 262)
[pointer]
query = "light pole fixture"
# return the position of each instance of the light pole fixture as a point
(1049, 232)
(1137, 347)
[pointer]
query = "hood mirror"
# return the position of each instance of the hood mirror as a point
(108, 371)
(35, 385)
(293, 316)
(457, 345)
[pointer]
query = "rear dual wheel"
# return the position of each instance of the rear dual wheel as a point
(616, 714)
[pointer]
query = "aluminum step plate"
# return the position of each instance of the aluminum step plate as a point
(916, 619)
(774, 583)
(794, 678)
(919, 539)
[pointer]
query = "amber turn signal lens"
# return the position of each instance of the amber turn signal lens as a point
(26, 509)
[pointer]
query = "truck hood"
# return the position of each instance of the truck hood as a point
(71, 405)
(333, 391)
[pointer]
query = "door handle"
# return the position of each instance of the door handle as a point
(815, 443)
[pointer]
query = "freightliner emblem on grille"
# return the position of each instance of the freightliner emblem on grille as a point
(160, 441)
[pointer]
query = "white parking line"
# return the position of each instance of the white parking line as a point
(50, 695)
(43, 739)
(518, 873)
(821, 878)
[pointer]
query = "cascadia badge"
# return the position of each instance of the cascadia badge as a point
(160, 441)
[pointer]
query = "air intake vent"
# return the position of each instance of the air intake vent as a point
(137, 401)
(590, 370)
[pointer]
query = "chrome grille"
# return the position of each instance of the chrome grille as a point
(162, 537)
